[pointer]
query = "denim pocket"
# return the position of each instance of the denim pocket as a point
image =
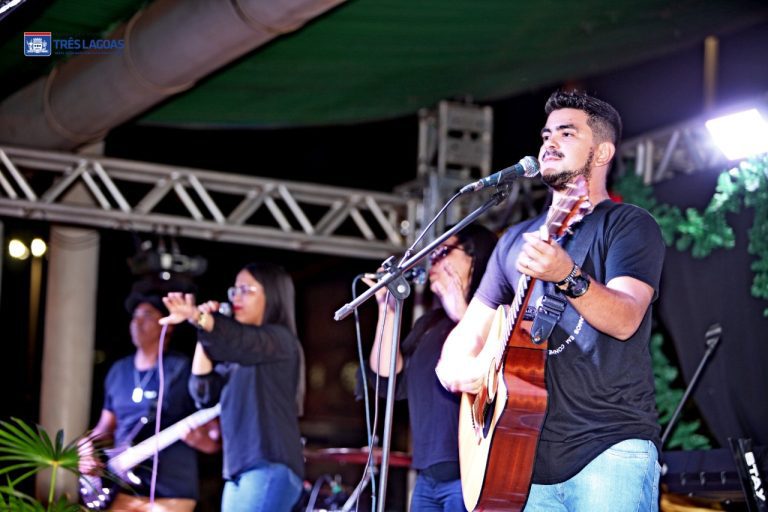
(631, 449)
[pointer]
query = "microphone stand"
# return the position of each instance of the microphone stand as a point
(400, 289)
(712, 338)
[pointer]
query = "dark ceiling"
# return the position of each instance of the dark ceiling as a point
(378, 59)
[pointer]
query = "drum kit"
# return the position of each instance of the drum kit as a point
(328, 494)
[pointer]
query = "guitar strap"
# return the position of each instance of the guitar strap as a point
(552, 303)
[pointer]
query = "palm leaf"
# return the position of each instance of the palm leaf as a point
(21, 478)
(13, 500)
(26, 451)
(34, 449)
(62, 505)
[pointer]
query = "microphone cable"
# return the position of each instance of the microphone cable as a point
(370, 427)
(158, 415)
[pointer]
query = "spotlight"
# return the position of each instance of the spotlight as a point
(38, 247)
(17, 249)
(740, 135)
(159, 261)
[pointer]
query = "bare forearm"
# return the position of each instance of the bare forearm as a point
(201, 363)
(105, 428)
(468, 337)
(459, 367)
(382, 346)
(612, 311)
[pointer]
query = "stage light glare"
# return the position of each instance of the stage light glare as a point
(38, 247)
(17, 249)
(740, 135)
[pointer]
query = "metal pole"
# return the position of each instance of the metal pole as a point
(711, 51)
(401, 293)
(712, 339)
(398, 286)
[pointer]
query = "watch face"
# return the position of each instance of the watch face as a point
(578, 286)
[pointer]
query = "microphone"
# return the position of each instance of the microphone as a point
(417, 275)
(225, 308)
(527, 167)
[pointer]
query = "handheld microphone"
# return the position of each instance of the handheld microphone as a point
(417, 275)
(225, 308)
(527, 167)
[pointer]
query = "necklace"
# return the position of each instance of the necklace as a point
(138, 387)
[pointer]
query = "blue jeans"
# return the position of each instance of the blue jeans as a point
(268, 487)
(624, 478)
(430, 494)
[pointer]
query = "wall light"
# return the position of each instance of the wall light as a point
(17, 249)
(740, 135)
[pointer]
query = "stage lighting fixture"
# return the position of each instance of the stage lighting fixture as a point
(740, 135)
(162, 263)
(38, 247)
(17, 249)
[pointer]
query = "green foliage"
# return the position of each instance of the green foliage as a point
(11, 500)
(703, 232)
(24, 452)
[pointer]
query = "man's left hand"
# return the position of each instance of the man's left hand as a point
(542, 259)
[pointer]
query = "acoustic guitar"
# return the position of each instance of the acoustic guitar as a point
(97, 496)
(499, 427)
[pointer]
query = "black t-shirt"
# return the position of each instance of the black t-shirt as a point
(255, 379)
(601, 389)
(177, 464)
(433, 411)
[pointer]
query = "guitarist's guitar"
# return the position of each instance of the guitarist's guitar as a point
(499, 427)
(97, 496)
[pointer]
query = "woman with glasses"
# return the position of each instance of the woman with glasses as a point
(253, 365)
(456, 268)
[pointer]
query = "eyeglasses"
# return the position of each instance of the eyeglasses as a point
(441, 252)
(236, 291)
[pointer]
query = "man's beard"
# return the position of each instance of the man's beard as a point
(560, 180)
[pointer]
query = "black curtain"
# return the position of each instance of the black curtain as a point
(695, 293)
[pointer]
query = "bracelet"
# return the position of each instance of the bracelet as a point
(201, 320)
(575, 270)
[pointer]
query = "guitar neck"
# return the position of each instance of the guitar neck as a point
(134, 455)
(569, 209)
(515, 310)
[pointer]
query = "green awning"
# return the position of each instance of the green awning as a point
(377, 59)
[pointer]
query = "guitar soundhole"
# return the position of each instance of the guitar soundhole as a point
(487, 417)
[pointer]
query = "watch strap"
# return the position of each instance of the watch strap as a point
(573, 273)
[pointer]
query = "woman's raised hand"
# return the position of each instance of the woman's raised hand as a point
(181, 307)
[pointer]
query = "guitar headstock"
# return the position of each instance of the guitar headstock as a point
(572, 206)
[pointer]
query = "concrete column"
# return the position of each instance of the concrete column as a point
(70, 319)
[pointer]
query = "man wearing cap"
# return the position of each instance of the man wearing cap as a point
(131, 392)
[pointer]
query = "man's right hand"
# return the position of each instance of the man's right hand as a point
(465, 375)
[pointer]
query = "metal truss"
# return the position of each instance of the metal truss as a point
(136, 196)
(454, 149)
(683, 148)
